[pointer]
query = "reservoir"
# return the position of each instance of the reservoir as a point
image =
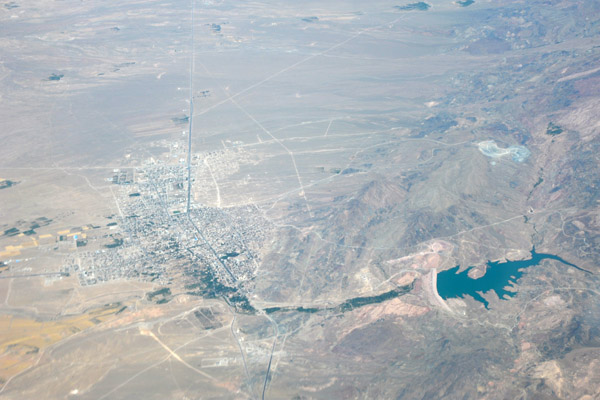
(499, 276)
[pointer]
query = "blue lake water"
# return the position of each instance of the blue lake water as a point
(499, 276)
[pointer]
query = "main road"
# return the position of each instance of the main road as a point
(191, 118)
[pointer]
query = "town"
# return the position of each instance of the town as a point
(211, 250)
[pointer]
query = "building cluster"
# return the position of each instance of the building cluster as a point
(92, 267)
(158, 240)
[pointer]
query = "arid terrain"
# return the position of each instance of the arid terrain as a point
(258, 200)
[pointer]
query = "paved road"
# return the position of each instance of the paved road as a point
(31, 275)
(191, 119)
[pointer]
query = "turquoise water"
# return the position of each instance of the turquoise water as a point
(500, 277)
(491, 149)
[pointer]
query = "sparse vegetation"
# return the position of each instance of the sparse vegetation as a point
(553, 129)
(420, 6)
(55, 77)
